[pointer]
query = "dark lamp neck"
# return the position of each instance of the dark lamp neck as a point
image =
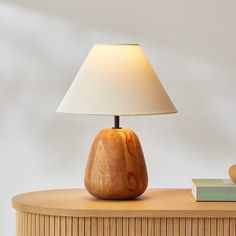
(116, 122)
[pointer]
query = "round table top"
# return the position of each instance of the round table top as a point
(153, 203)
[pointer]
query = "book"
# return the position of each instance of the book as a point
(214, 190)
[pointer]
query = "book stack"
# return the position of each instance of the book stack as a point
(214, 190)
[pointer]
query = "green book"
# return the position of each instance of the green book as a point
(214, 190)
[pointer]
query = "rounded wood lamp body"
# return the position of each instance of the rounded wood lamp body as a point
(116, 167)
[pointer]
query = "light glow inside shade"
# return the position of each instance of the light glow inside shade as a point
(116, 80)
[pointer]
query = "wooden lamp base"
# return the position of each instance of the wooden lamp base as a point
(116, 167)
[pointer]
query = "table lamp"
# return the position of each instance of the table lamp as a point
(116, 80)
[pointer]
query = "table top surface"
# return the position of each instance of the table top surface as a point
(153, 203)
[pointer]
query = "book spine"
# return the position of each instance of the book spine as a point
(215, 194)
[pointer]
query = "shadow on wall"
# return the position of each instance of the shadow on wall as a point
(201, 28)
(43, 48)
(191, 44)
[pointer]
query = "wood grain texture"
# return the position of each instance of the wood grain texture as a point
(106, 227)
(195, 227)
(138, 226)
(226, 227)
(129, 223)
(36, 225)
(68, 226)
(232, 227)
(213, 229)
(113, 226)
(201, 226)
(157, 226)
(144, 227)
(163, 227)
(182, 230)
(29, 224)
(100, 226)
(116, 167)
(87, 226)
(117, 226)
(131, 227)
(157, 203)
(220, 227)
(57, 225)
(94, 226)
(52, 226)
(176, 229)
(188, 226)
(25, 223)
(81, 226)
(151, 227)
(125, 226)
(208, 227)
(169, 226)
(46, 226)
(41, 225)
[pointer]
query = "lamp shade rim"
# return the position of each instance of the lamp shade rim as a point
(118, 114)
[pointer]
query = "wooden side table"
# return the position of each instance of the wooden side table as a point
(162, 212)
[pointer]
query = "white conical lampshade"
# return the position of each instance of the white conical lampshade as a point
(116, 80)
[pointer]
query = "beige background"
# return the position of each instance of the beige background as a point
(191, 45)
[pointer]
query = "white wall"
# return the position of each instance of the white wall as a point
(191, 44)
